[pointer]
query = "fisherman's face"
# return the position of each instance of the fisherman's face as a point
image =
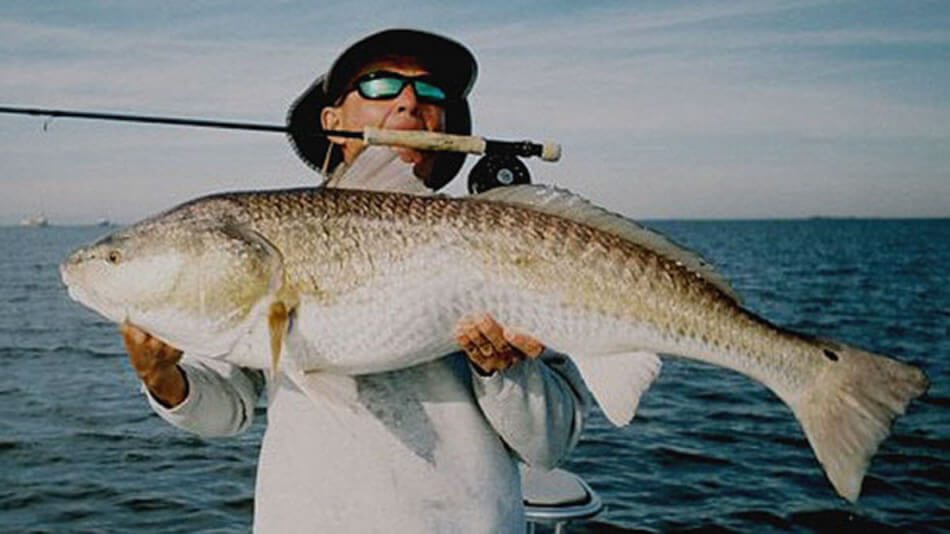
(403, 112)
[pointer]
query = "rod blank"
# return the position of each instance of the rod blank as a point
(145, 118)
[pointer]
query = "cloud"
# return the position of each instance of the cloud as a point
(664, 109)
(654, 73)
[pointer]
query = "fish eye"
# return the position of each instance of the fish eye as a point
(114, 257)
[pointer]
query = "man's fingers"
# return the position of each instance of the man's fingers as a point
(493, 332)
(140, 340)
(474, 342)
(131, 334)
(145, 351)
(467, 344)
(531, 347)
(483, 342)
(493, 347)
(474, 354)
(479, 333)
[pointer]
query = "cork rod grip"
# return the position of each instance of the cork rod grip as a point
(423, 140)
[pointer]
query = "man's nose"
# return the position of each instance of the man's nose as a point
(407, 100)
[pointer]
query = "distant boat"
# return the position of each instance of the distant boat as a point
(103, 222)
(35, 220)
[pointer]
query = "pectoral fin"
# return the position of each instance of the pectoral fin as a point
(617, 381)
(279, 322)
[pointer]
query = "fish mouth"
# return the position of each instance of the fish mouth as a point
(67, 277)
(87, 298)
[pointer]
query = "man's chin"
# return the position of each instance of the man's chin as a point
(409, 155)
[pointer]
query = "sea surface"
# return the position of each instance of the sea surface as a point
(710, 451)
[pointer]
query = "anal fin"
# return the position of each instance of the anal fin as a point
(618, 380)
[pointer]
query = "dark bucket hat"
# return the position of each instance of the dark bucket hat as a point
(448, 60)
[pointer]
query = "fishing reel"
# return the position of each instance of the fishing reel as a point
(496, 170)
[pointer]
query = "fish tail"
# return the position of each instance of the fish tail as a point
(850, 408)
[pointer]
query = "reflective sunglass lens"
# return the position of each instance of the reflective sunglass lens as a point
(381, 87)
(426, 90)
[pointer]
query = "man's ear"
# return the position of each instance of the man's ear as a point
(330, 119)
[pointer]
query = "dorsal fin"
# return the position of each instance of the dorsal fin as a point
(561, 202)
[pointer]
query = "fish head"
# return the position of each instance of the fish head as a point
(123, 273)
(193, 283)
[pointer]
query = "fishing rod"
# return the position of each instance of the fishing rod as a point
(415, 139)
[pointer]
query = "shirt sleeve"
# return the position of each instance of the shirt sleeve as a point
(538, 407)
(221, 398)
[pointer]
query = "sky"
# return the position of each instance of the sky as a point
(664, 109)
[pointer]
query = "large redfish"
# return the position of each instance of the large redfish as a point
(351, 282)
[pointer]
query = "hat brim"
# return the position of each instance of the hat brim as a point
(446, 58)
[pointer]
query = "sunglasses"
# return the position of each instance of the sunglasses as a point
(385, 85)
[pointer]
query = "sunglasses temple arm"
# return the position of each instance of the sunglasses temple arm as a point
(434, 141)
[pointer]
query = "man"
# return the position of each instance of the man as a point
(431, 448)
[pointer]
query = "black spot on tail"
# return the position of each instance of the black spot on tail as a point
(831, 355)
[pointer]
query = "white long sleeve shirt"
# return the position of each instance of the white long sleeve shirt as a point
(432, 448)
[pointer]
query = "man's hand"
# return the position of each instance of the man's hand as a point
(492, 347)
(156, 364)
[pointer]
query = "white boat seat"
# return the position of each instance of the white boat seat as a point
(553, 498)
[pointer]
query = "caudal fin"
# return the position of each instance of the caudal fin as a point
(850, 409)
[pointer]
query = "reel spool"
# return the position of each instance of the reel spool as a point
(497, 170)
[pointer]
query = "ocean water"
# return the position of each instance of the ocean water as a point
(710, 450)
